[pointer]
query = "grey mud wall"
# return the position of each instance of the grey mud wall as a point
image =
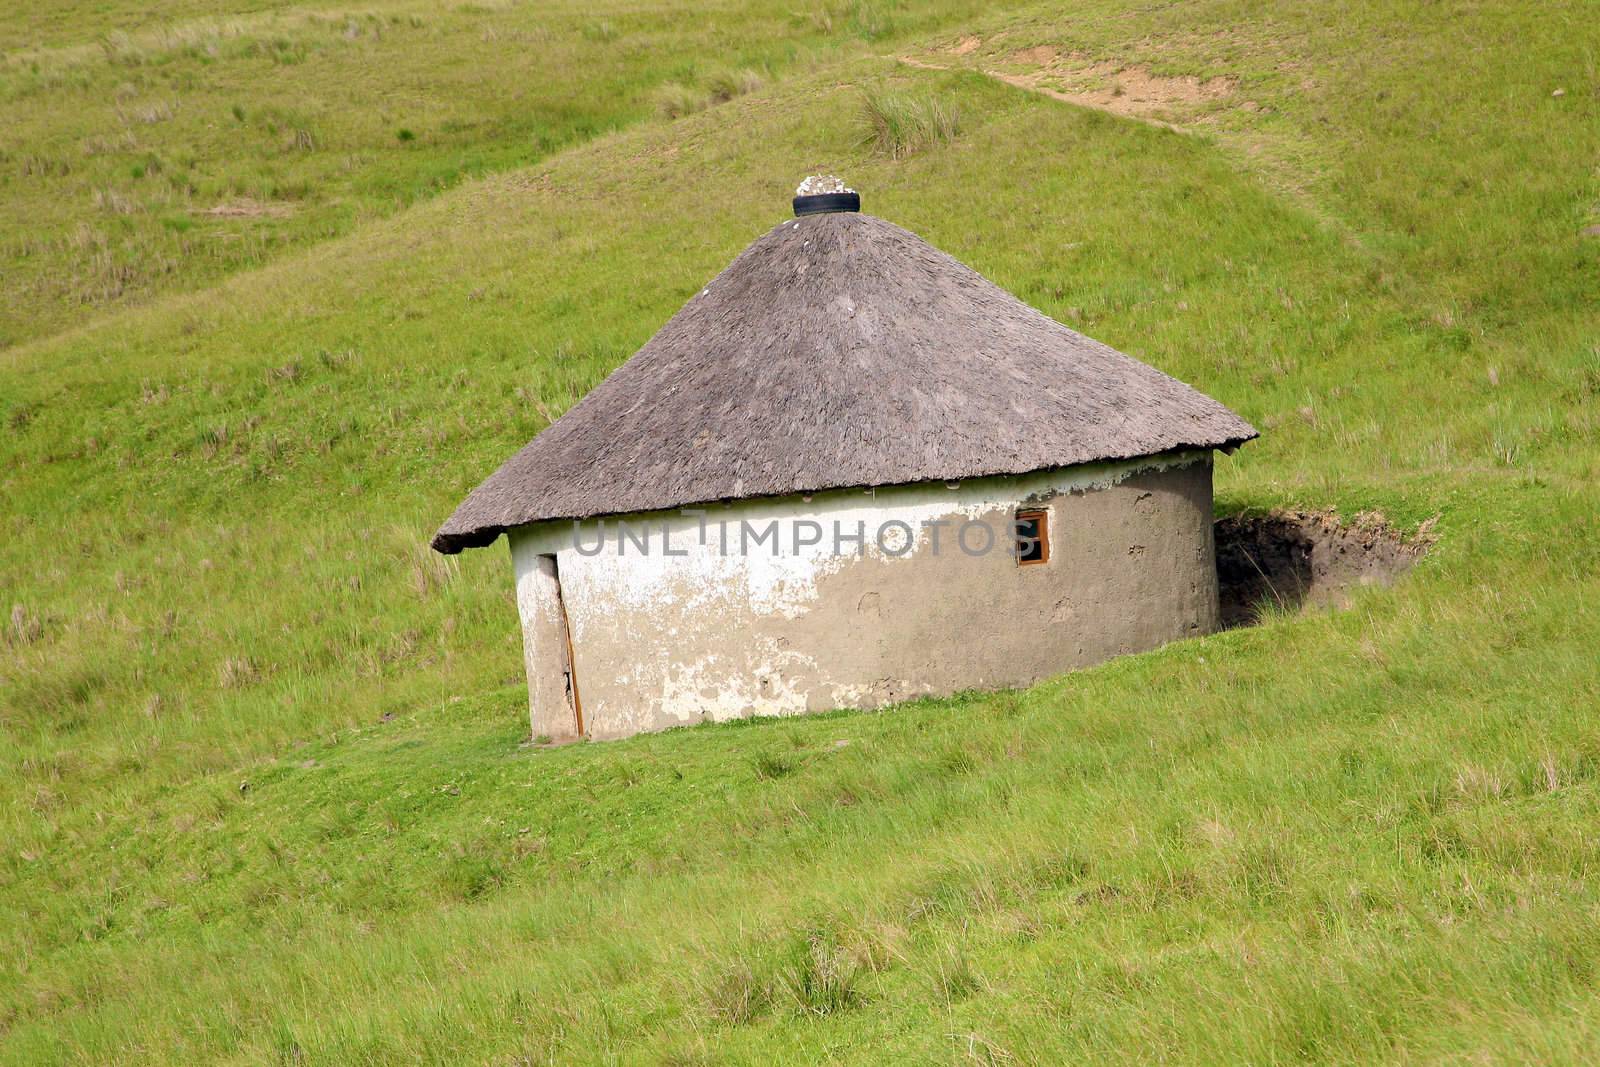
(774, 607)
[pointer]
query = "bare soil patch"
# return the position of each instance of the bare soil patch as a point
(1122, 90)
(1038, 56)
(1073, 78)
(1289, 560)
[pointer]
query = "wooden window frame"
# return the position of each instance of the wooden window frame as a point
(1042, 516)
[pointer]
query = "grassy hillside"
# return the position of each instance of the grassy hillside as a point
(265, 794)
(152, 150)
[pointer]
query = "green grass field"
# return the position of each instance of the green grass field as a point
(265, 796)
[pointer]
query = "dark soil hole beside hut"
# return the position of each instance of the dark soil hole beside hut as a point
(1287, 560)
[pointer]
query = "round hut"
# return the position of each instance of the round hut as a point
(848, 472)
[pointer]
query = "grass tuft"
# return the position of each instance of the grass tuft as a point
(737, 994)
(675, 99)
(772, 765)
(901, 123)
(819, 975)
(953, 975)
(724, 85)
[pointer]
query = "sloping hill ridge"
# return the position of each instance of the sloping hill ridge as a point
(266, 797)
(153, 149)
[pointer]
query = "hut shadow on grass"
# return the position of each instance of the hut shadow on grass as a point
(1284, 561)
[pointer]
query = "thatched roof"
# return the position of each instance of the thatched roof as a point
(839, 350)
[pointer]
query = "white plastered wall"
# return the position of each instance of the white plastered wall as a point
(682, 618)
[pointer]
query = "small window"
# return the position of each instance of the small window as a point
(1033, 537)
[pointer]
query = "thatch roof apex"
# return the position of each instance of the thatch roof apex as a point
(839, 350)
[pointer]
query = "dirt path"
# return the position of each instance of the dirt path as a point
(1183, 104)
(1126, 91)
